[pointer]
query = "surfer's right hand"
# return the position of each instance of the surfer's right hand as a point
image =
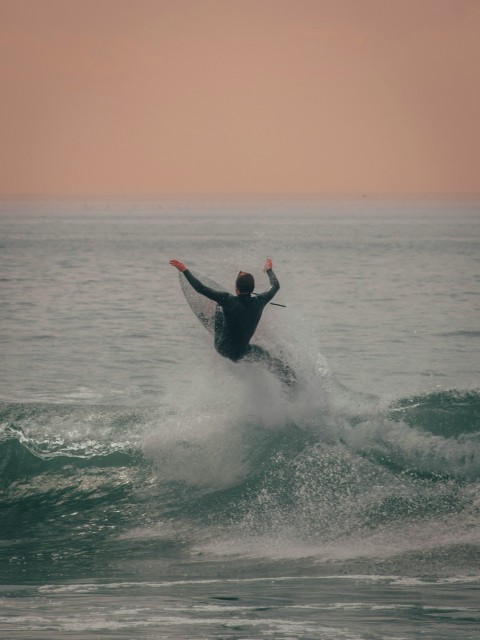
(178, 265)
(268, 264)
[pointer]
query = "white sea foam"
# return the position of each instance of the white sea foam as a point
(413, 448)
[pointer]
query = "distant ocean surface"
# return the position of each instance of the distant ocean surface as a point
(152, 489)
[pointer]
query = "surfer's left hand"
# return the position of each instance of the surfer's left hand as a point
(268, 264)
(178, 265)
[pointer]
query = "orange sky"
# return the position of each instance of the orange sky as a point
(152, 97)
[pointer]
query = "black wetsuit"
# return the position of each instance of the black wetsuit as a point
(236, 319)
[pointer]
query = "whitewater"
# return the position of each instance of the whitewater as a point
(151, 489)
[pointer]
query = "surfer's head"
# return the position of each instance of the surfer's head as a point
(244, 283)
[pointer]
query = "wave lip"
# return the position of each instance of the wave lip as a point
(328, 481)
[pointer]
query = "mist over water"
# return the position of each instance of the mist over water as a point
(137, 463)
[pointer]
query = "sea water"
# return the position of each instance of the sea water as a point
(151, 489)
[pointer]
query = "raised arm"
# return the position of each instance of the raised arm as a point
(217, 296)
(274, 283)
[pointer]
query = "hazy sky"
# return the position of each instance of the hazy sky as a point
(239, 96)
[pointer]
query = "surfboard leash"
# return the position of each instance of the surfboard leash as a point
(275, 304)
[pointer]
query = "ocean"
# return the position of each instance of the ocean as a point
(152, 489)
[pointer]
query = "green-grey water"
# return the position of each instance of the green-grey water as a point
(151, 489)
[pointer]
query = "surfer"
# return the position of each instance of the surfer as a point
(237, 318)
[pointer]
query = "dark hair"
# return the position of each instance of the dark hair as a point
(245, 282)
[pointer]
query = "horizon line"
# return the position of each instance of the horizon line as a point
(240, 196)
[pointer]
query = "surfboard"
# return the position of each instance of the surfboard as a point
(203, 308)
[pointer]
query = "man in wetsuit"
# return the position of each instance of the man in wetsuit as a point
(238, 316)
